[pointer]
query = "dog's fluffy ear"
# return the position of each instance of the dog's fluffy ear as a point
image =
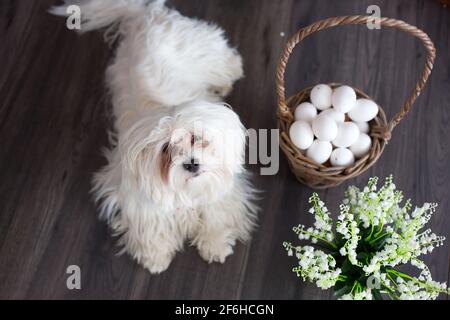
(165, 162)
(146, 158)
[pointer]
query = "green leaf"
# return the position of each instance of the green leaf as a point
(362, 256)
(346, 266)
(326, 246)
(376, 294)
(340, 241)
(340, 290)
(365, 232)
(379, 244)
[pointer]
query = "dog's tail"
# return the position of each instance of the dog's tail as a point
(96, 14)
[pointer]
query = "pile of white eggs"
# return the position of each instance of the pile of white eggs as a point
(333, 126)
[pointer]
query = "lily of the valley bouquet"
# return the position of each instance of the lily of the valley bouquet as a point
(359, 257)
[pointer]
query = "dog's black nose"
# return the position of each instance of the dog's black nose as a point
(192, 166)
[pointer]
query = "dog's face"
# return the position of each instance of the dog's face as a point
(188, 157)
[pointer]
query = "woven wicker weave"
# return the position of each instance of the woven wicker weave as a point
(323, 175)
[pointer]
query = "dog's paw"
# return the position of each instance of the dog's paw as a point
(158, 264)
(215, 251)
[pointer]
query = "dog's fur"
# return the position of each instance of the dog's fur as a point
(167, 79)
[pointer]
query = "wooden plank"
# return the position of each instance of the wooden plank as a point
(54, 120)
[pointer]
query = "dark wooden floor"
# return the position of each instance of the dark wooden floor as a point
(53, 122)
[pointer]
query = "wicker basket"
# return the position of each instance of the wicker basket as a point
(322, 176)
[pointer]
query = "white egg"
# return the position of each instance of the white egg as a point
(342, 157)
(362, 146)
(347, 134)
(321, 96)
(301, 134)
(363, 127)
(336, 115)
(324, 127)
(305, 111)
(319, 151)
(343, 99)
(364, 110)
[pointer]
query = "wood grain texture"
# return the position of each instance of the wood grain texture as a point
(54, 120)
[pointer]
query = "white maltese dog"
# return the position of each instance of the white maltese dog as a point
(175, 170)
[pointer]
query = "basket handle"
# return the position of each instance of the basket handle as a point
(350, 20)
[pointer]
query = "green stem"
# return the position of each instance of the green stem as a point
(378, 232)
(400, 274)
(370, 235)
(320, 238)
(378, 238)
(354, 285)
(359, 288)
(391, 291)
(406, 276)
(392, 280)
(342, 278)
